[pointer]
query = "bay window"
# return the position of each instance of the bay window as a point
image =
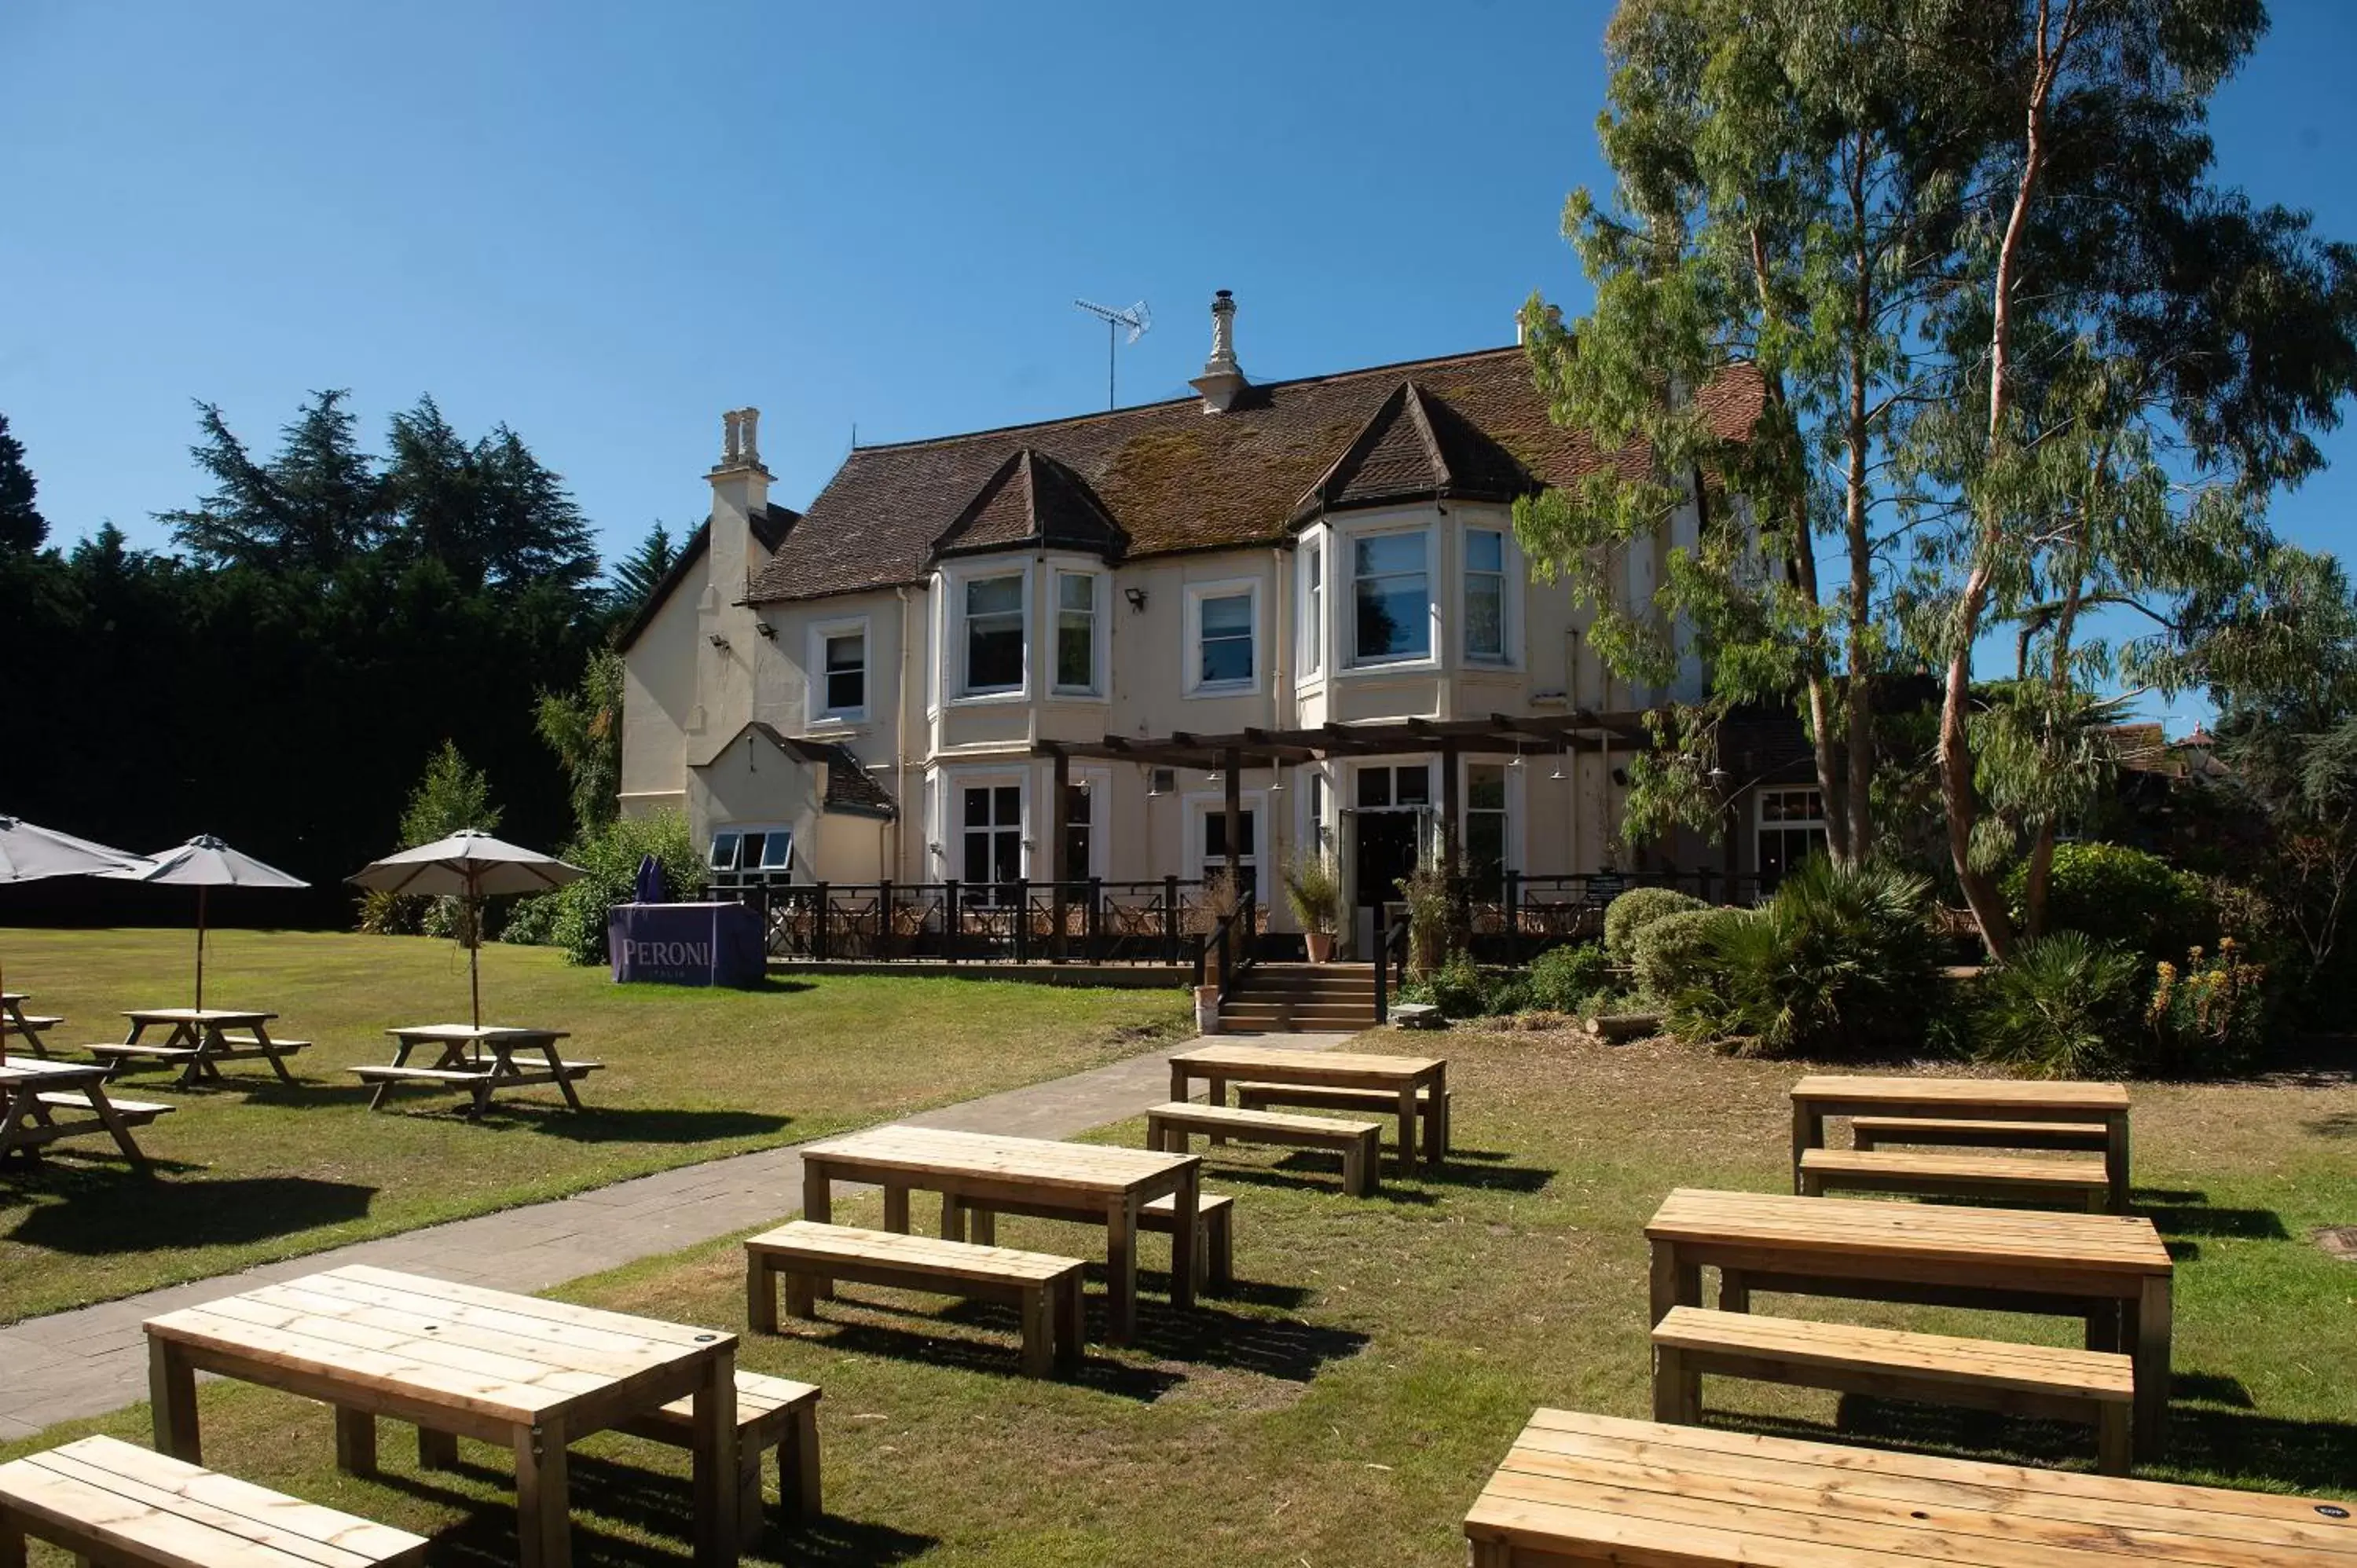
(994, 634)
(1391, 588)
(1076, 633)
(1485, 596)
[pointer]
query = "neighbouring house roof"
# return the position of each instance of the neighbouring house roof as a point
(769, 527)
(850, 791)
(1168, 476)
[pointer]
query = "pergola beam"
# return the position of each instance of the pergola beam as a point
(1256, 748)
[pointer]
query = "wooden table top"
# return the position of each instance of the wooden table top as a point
(474, 1032)
(2111, 1243)
(1951, 1091)
(1040, 1162)
(1646, 1492)
(1264, 1058)
(12, 996)
(510, 1357)
(37, 1070)
(194, 1016)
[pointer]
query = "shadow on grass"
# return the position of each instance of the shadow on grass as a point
(648, 1125)
(2211, 1388)
(888, 1333)
(2187, 1221)
(100, 1219)
(2341, 1126)
(1312, 1173)
(1279, 1348)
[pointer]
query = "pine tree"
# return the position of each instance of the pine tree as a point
(632, 580)
(315, 506)
(22, 527)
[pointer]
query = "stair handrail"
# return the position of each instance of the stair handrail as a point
(1388, 939)
(1238, 950)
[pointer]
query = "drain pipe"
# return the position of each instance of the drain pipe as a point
(900, 748)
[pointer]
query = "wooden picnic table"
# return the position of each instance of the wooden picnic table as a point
(1010, 1173)
(479, 1060)
(202, 1039)
(1402, 1077)
(462, 1361)
(15, 1021)
(1941, 1098)
(1594, 1489)
(2110, 1270)
(33, 1092)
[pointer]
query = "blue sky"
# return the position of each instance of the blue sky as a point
(604, 224)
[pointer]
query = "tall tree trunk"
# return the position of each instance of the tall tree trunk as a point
(1859, 729)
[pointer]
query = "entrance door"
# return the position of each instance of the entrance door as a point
(1385, 851)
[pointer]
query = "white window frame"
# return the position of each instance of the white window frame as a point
(820, 711)
(1511, 841)
(1761, 826)
(1510, 599)
(949, 831)
(1200, 807)
(1101, 644)
(1313, 591)
(1100, 796)
(952, 661)
(1191, 647)
(1345, 544)
(736, 871)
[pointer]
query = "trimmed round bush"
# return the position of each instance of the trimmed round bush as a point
(2116, 894)
(1637, 908)
(1561, 978)
(1668, 953)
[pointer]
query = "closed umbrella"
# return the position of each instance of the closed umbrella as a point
(205, 862)
(469, 865)
(28, 853)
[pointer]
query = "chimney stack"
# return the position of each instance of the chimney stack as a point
(1222, 378)
(741, 491)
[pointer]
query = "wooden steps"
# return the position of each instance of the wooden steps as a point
(1338, 998)
(1873, 1131)
(2037, 1380)
(771, 1412)
(1954, 1175)
(1169, 1126)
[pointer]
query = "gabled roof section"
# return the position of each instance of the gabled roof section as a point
(849, 788)
(1415, 446)
(1170, 477)
(769, 527)
(1033, 500)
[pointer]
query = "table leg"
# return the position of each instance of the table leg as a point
(278, 1063)
(12, 1543)
(1677, 1389)
(355, 1442)
(1408, 1131)
(896, 1208)
(564, 1084)
(1734, 1291)
(1215, 1093)
(1120, 1270)
(2115, 1159)
(14, 1110)
(1435, 1117)
(952, 1218)
(544, 1515)
(172, 1402)
(716, 1483)
(98, 1102)
(818, 1206)
(2153, 1313)
(1808, 1133)
(437, 1450)
(981, 1225)
(1185, 1239)
(1178, 1082)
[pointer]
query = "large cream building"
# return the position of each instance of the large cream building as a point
(868, 690)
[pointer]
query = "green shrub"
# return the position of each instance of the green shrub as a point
(2123, 895)
(1637, 908)
(610, 855)
(1458, 989)
(1839, 964)
(1560, 978)
(2207, 1017)
(1667, 953)
(2064, 1005)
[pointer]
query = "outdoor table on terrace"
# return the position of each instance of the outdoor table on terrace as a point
(1594, 1489)
(1010, 1173)
(15, 1023)
(1940, 1099)
(200, 1038)
(480, 1060)
(28, 1121)
(461, 1362)
(1404, 1076)
(2110, 1270)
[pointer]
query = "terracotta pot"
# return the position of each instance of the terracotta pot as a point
(1207, 1009)
(1321, 945)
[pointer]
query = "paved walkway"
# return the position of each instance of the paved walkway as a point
(94, 1359)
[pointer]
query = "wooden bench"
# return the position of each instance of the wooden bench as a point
(1215, 1247)
(1045, 1290)
(109, 1502)
(2089, 1386)
(1953, 1176)
(31, 1027)
(118, 1056)
(1382, 1102)
(479, 1084)
(771, 1412)
(135, 1112)
(1169, 1126)
(1873, 1131)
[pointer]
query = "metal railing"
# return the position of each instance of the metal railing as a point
(1391, 949)
(1092, 921)
(1236, 941)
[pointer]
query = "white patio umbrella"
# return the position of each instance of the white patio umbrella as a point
(471, 865)
(28, 853)
(205, 862)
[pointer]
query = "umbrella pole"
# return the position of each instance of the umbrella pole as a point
(4, 1023)
(201, 947)
(474, 953)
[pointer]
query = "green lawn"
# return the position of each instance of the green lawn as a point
(1344, 1409)
(254, 1170)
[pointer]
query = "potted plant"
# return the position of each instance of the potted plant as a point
(1313, 887)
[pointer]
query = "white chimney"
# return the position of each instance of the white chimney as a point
(740, 490)
(1222, 378)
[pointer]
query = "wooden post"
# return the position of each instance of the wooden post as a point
(1059, 867)
(1232, 771)
(1170, 919)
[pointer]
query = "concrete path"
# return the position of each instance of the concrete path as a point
(94, 1359)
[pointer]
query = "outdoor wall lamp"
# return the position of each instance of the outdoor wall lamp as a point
(766, 629)
(1136, 598)
(717, 640)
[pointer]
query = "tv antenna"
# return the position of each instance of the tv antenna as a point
(1138, 318)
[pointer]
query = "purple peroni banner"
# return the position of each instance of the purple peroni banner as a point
(685, 944)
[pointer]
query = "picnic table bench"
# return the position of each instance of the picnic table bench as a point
(1579, 1488)
(1414, 1085)
(991, 1168)
(26, 1026)
(977, 1219)
(112, 1502)
(771, 1412)
(460, 1062)
(33, 1093)
(200, 1039)
(1168, 1127)
(462, 1361)
(2110, 1271)
(1959, 1110)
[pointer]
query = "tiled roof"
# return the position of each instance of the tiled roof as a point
(1170, 477)
(771, 528)
(1033, 499)
(850, 789)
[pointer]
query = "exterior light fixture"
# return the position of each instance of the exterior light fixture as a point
(717, 640)
(1136, 598)
(768, 633)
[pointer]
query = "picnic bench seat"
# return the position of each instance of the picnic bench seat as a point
(135, 1112)
(1215, 1248)
(119, 1056)
(114, 1503)
(1169, 1126)
(771, 1412)
(478, 1082)
(2090, 1386)
(1872, 1132)
(1382, 1102)
(31, 1027)
(804, 1253)
(1953, 1176)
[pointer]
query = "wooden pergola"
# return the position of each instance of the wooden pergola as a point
(1229, 755)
